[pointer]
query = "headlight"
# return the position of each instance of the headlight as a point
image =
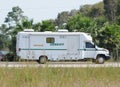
(106, 51)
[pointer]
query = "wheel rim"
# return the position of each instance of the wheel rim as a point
(42, 60)
(100, 60)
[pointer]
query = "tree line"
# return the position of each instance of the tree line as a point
(101, 20)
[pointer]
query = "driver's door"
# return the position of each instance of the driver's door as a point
(89, 50)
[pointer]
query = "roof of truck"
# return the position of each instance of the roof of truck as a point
(53, 33)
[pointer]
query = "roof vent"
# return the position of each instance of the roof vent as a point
(28, 30)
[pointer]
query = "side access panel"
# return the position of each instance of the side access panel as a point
(36, 46)
(73, 47)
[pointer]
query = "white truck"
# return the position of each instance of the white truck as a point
(58, 46)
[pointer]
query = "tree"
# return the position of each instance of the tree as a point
(109, 37)
(93, 11)
(110, 7)
(118, 7)
(62, 18)
(3, 29)
(118, 12)
(97, 10)
(4, 42)
(47, 25)
(85, 9)
(101, 20)
(4, 37)
(81, 23)
(28, 24)
(25, 24)
(13, 19)
(37, 27)
(73, 12)
(15, 16)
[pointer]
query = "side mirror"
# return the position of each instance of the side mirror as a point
(94, 46)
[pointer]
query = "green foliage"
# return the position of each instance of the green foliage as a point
(96, 10)
(93, 10)
(47, 25)
(118, 7)
(110, 7)
(81, 23)
(3, 42)
(15, 16)
(85, 9)
(101, 20)
(13, 19)
(3, 29)
(4, 38)
(109, 37)
(25, 24)
(37, 27)
(62, 17)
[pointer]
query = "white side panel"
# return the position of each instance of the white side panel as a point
(73, 47)
(22, 44)
(81, 47)
(58, 49)
(36, 46)
(67, 46)
(17, 45)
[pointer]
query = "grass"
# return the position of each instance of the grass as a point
(59, 77)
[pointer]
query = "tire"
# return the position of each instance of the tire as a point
(42, 60)
(100, 60)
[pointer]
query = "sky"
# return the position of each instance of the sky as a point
(40, 10)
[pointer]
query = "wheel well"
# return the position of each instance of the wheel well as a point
(43, 56)
(101, 55)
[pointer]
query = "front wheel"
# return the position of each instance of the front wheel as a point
(100, 60)
(42, 60)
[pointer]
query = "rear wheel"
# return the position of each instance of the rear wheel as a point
(42, 59)
(100, 59)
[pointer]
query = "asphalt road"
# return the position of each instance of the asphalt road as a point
(57, 64)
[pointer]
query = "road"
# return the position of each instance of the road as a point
(58, 64)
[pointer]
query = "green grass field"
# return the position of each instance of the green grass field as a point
(59, 77)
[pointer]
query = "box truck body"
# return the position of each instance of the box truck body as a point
(56, 46)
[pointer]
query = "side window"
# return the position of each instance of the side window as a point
(50, 40)
(89, 45)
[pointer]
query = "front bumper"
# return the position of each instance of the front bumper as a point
(107, 57)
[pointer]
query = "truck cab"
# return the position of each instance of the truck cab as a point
(98, 54)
